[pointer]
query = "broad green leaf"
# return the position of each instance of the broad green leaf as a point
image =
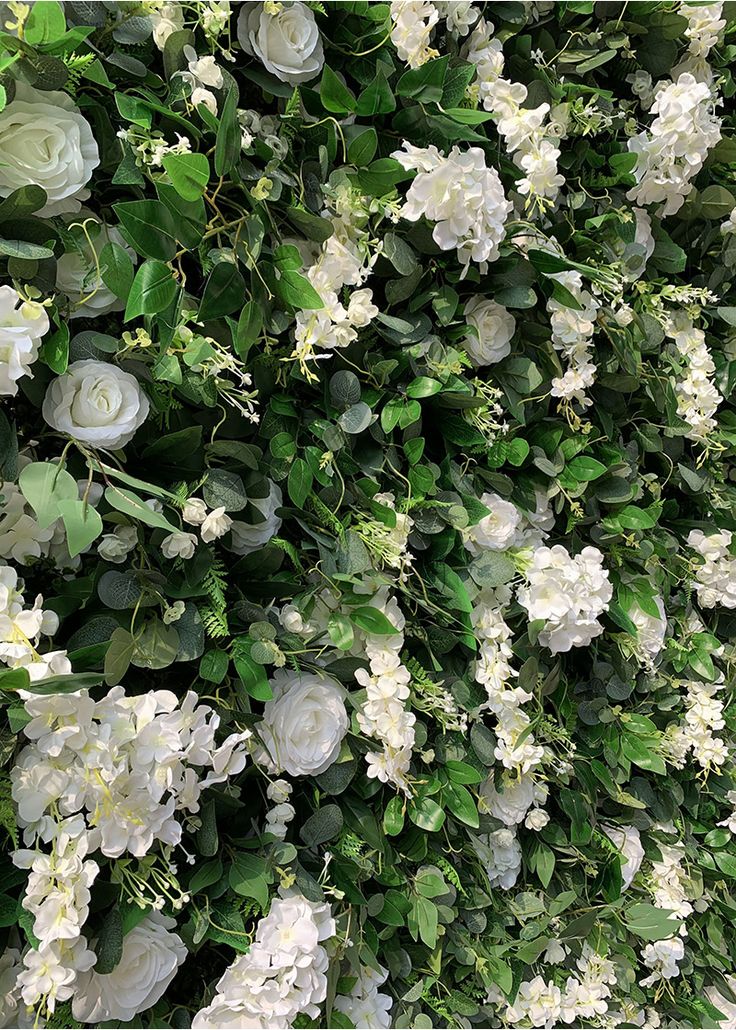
(149, 227)
(223, 291)
(373, 621)
(189, 174)
(44, 486)
(650, 923)
(153, 290)
(116, 269)
(82, 524)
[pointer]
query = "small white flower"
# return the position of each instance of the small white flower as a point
(195, 511)
(179, 545)
(116, 546)
(215, 525)
(22, 326)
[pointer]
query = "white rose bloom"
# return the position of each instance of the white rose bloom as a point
(22, 325)
(96, 403)
(652, 631)
(215, 525)
(45, 141)
(512, 803)
(169, 18)
(303, 725)
(151, 956)
(77, 275)
(494, 326)
(179, 545)
(284, 37)
(628, 842)
(116, 546)
(495, 531)
(247, 538)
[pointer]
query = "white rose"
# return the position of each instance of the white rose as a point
(151, 956)
(247, 538)
(494, 326)
(495, 531)
(116, 546)
(303, 725)
(45, 141)
(96, 403)
(169, 18)
(77, 275)
(285, 38)
(22, 325)
(179, 545)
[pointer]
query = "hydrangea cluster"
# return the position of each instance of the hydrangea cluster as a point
(522, 128)
(412, 23)
(462, 195)
(23, 324)
(385, 715)
(366, 1005)
(715, 578)
(568, 593)
(672, 151)
(283, 973)
(704, 714)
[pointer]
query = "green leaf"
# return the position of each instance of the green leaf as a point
(55, 350)
(376, 98)
(427, 814)
(248, 877)
(189, 174)
(24, 250)
(227, 143)
(650, 923)
(362, 149)
(223, 291)
(322, 826)
(253, 677)
(294, 289)
(82, 524)
(213, 666)
(585, 469)
(109, 946)
(424, 84)
(116, 269)
(129, 504)
(149, 227)
(639, 750)
(248, 328)
(299, 482)
(461, 772)
(154, 289)
(373, 621)
(45, 22)
(45, 486)
(460, 802)
(393, 817)
(118, 657)
(335, 96)
(340, 631)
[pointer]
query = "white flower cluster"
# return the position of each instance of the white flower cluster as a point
(412, 22)
(704, 24)
(715, 579)
(668, 880)
(459, 15)
(279, 817)
(203, 75)
(107, 775)
(496, 531)
(672, 151)
(651, 632)
(704, 715)
(500, 854)
(366, 1006)
(282, 974)
(493, 671)
(461, 195)
(21, 537)
(522, 128)
(541, 1003)
(697, 397)
(662, 958)
(568, 593)
(21, 629)
(730, 820)
(23, 323)
(572, 334)
(384, 715)
(344, 260)
(517, 801)
(388, 544)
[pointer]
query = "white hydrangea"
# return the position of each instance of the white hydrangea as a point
(461, 195)
(672, 151)
(569, 593)
(282, 974)
(662, 957)
(668, 880)
(459, 15)
(412, 22)
(704, 24)
(572, 335)
(538, 1003)
(366, 1006)
(715, 579)
(23, 324)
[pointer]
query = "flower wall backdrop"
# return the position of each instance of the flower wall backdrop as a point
(367, 513)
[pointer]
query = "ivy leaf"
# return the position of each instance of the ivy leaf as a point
(82, 524)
